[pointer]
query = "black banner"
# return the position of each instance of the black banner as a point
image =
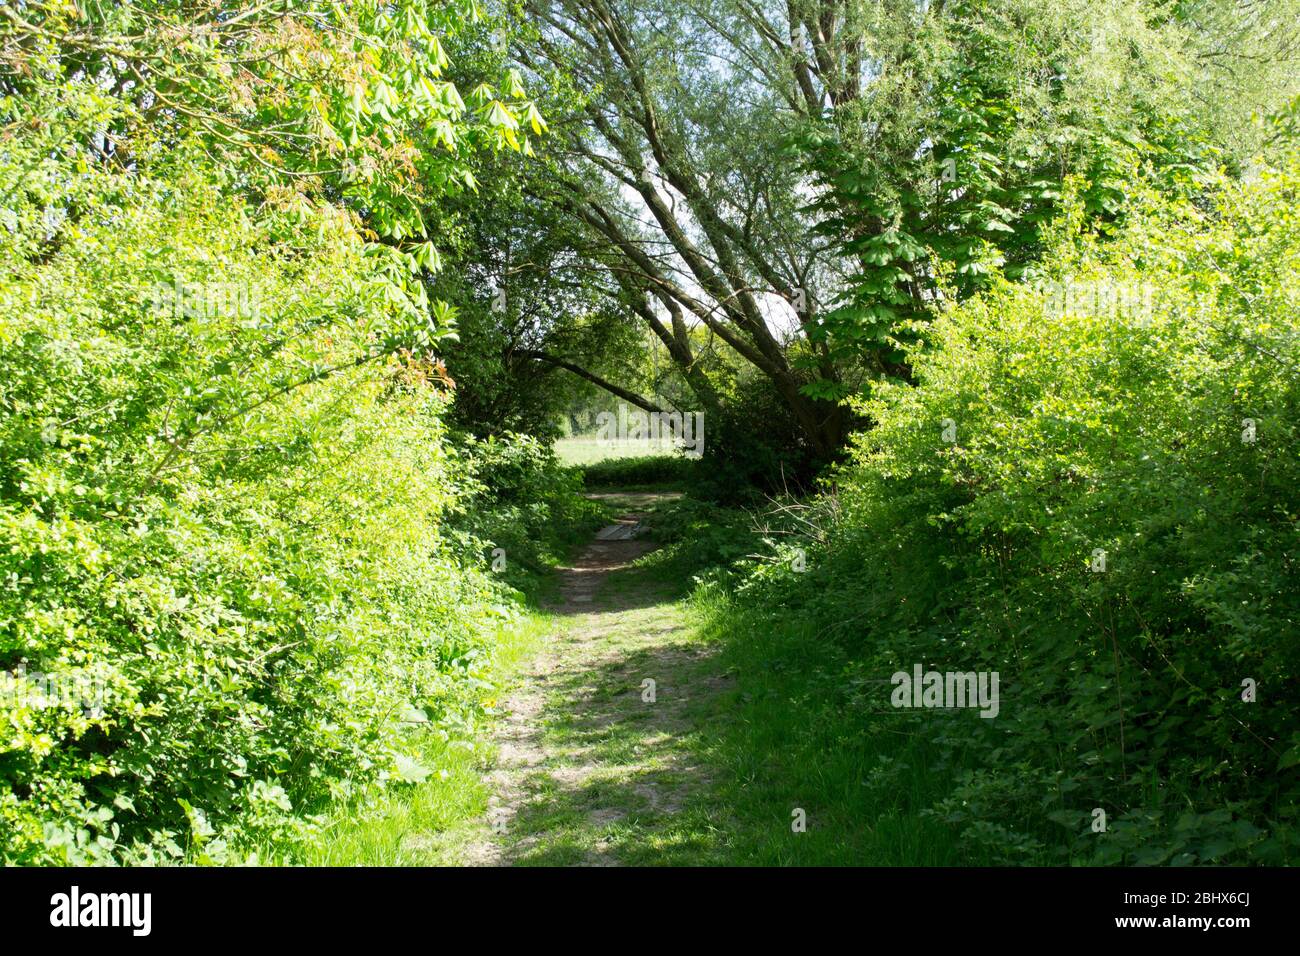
(341, 905)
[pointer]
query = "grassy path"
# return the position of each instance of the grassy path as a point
(595, 764)
(585, 766)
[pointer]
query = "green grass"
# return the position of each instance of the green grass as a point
(623, 779)
(578, 450)
(752, 722)
(426, 824)
(748, 727)
(789, 737)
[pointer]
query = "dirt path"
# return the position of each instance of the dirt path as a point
(598, 757)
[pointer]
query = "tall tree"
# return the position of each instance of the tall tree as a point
(804, 177)
(681, 164)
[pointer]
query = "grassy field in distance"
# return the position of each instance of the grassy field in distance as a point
(579, 450)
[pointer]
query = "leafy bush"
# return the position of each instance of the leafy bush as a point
(975, 509)
(227, 520)
(518, 498)
(241, 551)
(645, 470)
(754, 444)
(227, 581)
(699, 540)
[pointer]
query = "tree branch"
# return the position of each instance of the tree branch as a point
(623, 393)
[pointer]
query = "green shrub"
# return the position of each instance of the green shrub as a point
(754, 445)
(645, 470)
(229, 584)
(519, 506)
(699, 540)
(1036, 436)
(229, 517)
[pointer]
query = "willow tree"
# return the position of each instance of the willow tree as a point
(681, 163)
(804, 178)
